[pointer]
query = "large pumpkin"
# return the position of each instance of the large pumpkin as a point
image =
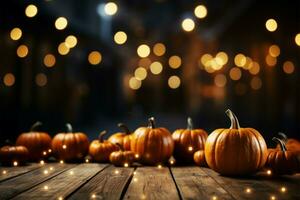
(187, 142)
(122, 138)
(13, 155)
(100, 149)
(70, 146)
(152, 145)
(235, 151)
(121, 157)
(290, 143)
(283, 161)
(38, 143)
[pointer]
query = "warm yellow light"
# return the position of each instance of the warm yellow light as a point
(60, 198)
(134, 83)
(271, 25)
(46, 171)
(51, 168)
(235, 73)
(156, 67)
(61, 23)
(44, 153)
(49, 150)
(71, 172)
(126, 164)
(288, 67)
(49, 60)
(159, 166)
(94, 57)
(71, 41)
(63, 49)
(93, 196)
(254, 68)
(221, 58)
(22, 51)
(248, 190)
(200, 11)
(240, 60)
(256, 83)
(269, 172)
(46, 187)
(31, 10)
(214, 64)
(297, 39)
(140, 73)
(271, 61)
(188, 24)
(214, 198)
(174, 82)
(9, 79)
(143, 50)
(190, 148)
(42, 162)
(144, 62)
(171, 162)
(116, 171)
(120, 37)
(220, 80)
(174, 62)
(274, 50)
(41, 79)
(136, 155)
(61, 162)
(16, 33)
(283, 189)
(205, 59)
(4, 172)
(15, 163)
(273, 197)
(64, 146)
(110, 8)
(87, 160)
(135, 179)
(159, 49)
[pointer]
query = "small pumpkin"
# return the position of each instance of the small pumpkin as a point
(283, 161)
(70, 146)
(199, 158)
(100, 149)
(11, 154)
(152, 145)
(38, 143)
(187, 142)
(122, 138)
(235, 151)
(121, 157)
(290, 143)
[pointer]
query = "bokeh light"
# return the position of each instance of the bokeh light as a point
(297, 39)
(220, 80)
(71, 41)
(274, 50)
(221, 58)
(254, 68)
(120, 37)
(140, 73)
(159, 49)
(235, 73)
(156, 67)
(271, 25)
(94, 57)
(144, 62)
(63, 49)
(256, 83)
(174, 82)
(31, 10)
(205, 59)
(41, 79)
(288, 67)
(175, 62)
(143, 50)
(9, 79)
(61, 23)
(271, 61)
(22, 51)
(49, 60)
(16, 33)
(110, 8)
(188, 24)
(240, 60)
(200, 11)
(134, 83)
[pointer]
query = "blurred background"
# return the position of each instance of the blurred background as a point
(95, 63)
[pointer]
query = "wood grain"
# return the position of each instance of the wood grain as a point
(108, 184)
(16, 171)
(152, 183)
(63, 184)
(16, 185)
(194, 183)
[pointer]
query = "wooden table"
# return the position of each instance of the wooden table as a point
(104, 181)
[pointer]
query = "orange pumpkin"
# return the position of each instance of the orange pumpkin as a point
(290, 143)
(122, 138)
(152, 145)
(38, 143)
(100, 149)
(13, 155)
(121, 157)
(199, 158)
(70, 146)
(235, 151)
(283, 161)
(187, 142)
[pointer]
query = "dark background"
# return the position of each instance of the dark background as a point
(94, 98)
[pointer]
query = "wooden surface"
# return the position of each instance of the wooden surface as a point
(104, 181)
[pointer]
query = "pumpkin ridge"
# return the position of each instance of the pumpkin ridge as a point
(214, 149)
(261, 153)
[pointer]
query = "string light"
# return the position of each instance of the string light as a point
(64, 146)
(220, 80)
(71, 173)
(274, 50)
(143, 50)
(93, 196)
(61, 23)
(156, 67)
(51, 168)
(87, 160)
(200, 11)
(31, 10)
(16, 33)
(134, 173)
(94, 57)
(269, 172)
(46, 171)
(190, 148)
(134, 83)
(46, 187)
(235, 73)
(120, 37)
(116, 171)
(135, 179)
(126, 164)
(136, 156)
(248, 190)
(283, 189)
(9, 79)
(71, 41)
(4, 172)
(288, 67)
(22, 51)
(159, 166)
(15, 163)
(297, 39)
(174, 62)
(240, 60)
(159, 49)
(41, 79)
(205, 59)
(140, 73)
(63, 49)
(110, 8)
(49, 150)
(273, 197)
(174, 82)
(49, 60)
(221, 58)
(188, 24)
(214, 198)
(61, 162)
(271, 25)
(44, 153)
(60, 198)
(42, 162)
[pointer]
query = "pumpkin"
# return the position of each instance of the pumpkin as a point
(13, 155)
(121, 157)
(235, 151)
(290, 143)
(100, 149)
(70, 146)
(38, 143)
(122, 138)
(199, 158)
(152, 145)
(283, 161)
(187, 142)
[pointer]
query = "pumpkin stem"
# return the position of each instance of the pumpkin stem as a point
(283, 136)
(69, 128)
(35, 125)
(189, 123)
(120, 147)
(101, 135)
(280, 142)
(124, 128)
(234, 121)
(151, 122)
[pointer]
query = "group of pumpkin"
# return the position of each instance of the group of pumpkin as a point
(233, 151)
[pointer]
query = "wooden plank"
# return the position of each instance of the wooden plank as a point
(245, 187)
(15, 186)
(152, 183)
(194, 183)
(108, 184)
(63, 184)
(10, 172)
